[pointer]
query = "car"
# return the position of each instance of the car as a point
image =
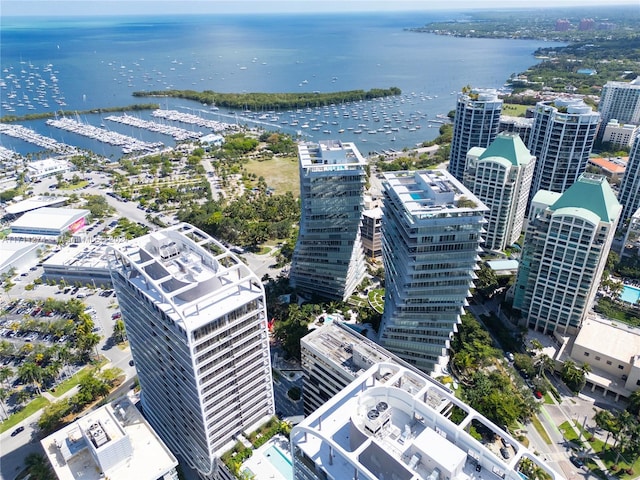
(17, 431)
(131, 363)
(577, 462)
(33, 269)
(538, 394)
(505, 453)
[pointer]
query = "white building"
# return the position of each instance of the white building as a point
(562, 137)
(19, 256)
(620, 101)
(629, 193)
(432, 230)
(34, 203)
(332, 357)
(328, 259)
(388, 424)
(500, 176)
(79, 262)
(476, 124)
(620, 134)
(567, 242)
(49, 167)
(114, 441)
(196, 321)
(49, 222)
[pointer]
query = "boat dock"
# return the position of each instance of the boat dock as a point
(30, 136)
(178, 134)
(128, 144)
(192, 119)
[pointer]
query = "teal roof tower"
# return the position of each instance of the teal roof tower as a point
(566, 246)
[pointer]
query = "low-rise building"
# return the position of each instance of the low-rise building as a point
(114, 441)
(79, 262)
(18, 255)
(619, 134)
(612, 168)
(49, 167)
(49, 223)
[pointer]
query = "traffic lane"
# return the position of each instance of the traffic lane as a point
(15, 449)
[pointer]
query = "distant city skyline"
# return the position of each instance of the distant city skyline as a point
(124, 7)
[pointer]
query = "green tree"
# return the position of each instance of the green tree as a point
(30, 373)
(634, 403)
(119, 331)
(38, 467)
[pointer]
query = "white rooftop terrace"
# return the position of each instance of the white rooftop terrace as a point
(383, 426)
(188, 274)
(330, 154)
(131, 447)
(432, 193)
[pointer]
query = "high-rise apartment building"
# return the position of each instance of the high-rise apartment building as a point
(619, 101)
(500, 176)
(565, 250)
(333, 356)
(196, 321)
(389, 423)
(561, 139)
(629, 193)
(432, 230)
(476, 124)
(328, 260)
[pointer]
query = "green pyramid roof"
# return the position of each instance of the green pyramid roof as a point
(509, 146)
(593, 193)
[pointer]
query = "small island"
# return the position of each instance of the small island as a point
(273, 101)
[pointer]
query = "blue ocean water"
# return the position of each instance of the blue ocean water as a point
(81, 63)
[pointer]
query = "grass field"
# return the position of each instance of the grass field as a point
(31, 408)
(281, 174)
(513, 110)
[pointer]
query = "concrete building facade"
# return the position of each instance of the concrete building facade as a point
(500, 176)
(196, 321)
(475, 124)
(620, 101)
(432, 230)
(328, 260)
(562, 137)
(567, 242)
(629, 193)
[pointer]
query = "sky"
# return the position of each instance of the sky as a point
(125, 7)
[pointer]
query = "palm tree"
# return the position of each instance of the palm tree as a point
(4, 394)
(38, 467)
(31, 373)
(5, 373)
(634, 403)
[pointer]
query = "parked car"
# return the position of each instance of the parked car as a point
(577, 462)
(17, 431)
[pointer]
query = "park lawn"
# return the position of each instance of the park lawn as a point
(515, 110)
(69, 383)
(279, 173)
(74, 186)
(31, 408)
(548, 399)
(376, 299)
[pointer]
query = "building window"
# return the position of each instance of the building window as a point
(586, 354)
(608, 362)
(597, 358)
(620, 367)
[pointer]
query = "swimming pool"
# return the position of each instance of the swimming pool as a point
(630, 294)
(279, 460)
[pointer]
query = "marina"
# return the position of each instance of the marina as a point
(128, 144)
(192, 119)
(178, 134)
(30, 136)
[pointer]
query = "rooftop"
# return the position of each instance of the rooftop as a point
(188, 274)
(114, 441)
(81, 255)
(621, 342)
(34, 203)
(609, 165)
(384, 425)
(50, 218)
(330, 155)
(433, 194)
(592, 193)
(510, 147)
